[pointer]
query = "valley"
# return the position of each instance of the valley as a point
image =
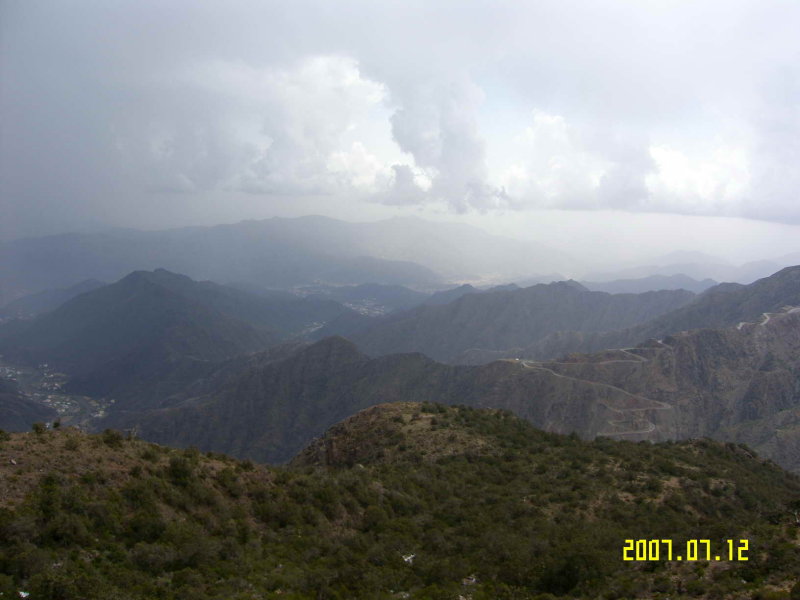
(45, 387)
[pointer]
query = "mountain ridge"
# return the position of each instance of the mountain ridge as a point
(126, 337)
(723, 305)
(697, 383)
(504, 319)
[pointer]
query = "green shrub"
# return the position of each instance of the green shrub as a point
(112, 438)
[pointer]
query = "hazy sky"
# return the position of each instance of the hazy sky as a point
(561, 120)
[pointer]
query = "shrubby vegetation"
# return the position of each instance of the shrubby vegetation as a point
(506, 512)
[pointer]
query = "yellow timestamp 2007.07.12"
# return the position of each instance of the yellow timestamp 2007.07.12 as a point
(692, 550)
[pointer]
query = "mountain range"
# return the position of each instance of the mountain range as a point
(477, 442)
(651, 283)
(506, 319)
(186, 361)
(731, 382)
(724, 305)
(698, 266)
(276, 253)
(152, 332)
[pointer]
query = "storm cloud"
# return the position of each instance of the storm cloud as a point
(130, 112)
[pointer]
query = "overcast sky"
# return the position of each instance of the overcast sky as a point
(660, 120)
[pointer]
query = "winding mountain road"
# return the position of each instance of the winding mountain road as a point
(648, 426)
(768, 315)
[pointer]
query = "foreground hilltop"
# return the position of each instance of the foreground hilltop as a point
(405, 432)
(404, 500)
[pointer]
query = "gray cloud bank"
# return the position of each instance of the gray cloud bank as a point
(112, 109)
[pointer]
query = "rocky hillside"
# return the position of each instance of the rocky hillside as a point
(725, 383)
(268, 410)
(126, 338)
(511, 318)
(410, 501)
(151, 333)
(724, 305)
(728, 304)
(737, 384)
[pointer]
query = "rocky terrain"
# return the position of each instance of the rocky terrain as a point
(723, 305)
(511, 318)
(723, 383)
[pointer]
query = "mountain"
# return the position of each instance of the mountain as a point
(35, 304)
(529, 281)
(132, 335)
(737, 384)
(408, 500)
(729, 303)
(512, 318)
(448, 296)
(698, 266)
(369, 298)
(276, 253)
(277, 311)
(652, 283)
(17, 412)
(269, 409)
(459, 251)
(724, 383)
(723, 305)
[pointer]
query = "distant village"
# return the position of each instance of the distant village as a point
(46, 386)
